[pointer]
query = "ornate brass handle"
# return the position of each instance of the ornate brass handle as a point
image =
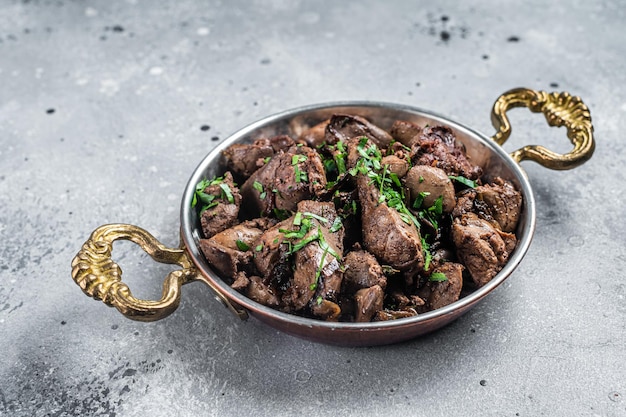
(560, 109)
(100, 277)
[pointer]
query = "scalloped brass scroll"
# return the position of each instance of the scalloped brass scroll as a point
(560, 109)
(101, 278)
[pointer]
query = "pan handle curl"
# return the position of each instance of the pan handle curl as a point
(560, 109)
(100, 277)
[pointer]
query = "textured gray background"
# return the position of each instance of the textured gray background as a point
(101, 109)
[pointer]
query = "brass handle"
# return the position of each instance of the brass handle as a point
(100, 277)
(560, 109)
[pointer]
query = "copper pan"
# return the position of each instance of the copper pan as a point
(100, 277)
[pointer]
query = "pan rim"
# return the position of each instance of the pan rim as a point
(189, 239)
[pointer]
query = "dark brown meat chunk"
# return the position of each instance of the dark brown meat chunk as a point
(244, 159)
(317, 270)
(433, 183)
(262, 293)
(405, 132)
(281, 143)
(314, 136)
(438, 294)
(385, 234)
(482, 248)
(498, 202)
(437, 146)
(352, 150)
(388, 314)
(223, 253)
(241, 281)
(400, 301)
(369, 301)
(289, 177)
(396, 165)
(362, 270)
(343, 127)
(224, 215)
(504, 202)
(271, 261)
(325, 309)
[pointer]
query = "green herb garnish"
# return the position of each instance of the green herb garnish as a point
(300, 176)
(386, 182)
(208, 200)
(419, 200)
(241, 245)
(226, 190)
(463, 180)
(438, 277)
(315, 216)
(427, 255)
(296, 159)
(336, 225)
(437, 207)
(259, 187)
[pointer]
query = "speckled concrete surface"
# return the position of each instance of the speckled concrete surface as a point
(107, 107)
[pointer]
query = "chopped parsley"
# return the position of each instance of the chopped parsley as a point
(437, 207)
(385, 181)
(305, 232)
(433, 213)
(300, 176)
(336, 225)
(296, 159)
(226, 190)
(241, 245)
(428, 257)
(419, 200)
(463, 180)
(438, 277)
(259, 187)
(316, 217)
(209, 200)
(340, 158)
(304, 225)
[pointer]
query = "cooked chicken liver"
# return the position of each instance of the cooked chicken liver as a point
(483, 248)
(343, 127)
(244, 159)
(437, 146)
(362, 270)
(225, 213)
(289, 177)
(385, 234)
(369, 301)
(405, 132)
(439, 294)
(354, 223)
(432, 183)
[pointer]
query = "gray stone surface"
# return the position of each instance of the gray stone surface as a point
(101, 109)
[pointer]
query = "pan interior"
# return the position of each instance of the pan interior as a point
(480, 149)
